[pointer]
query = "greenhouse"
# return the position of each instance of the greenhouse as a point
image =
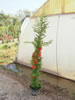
(58, 57)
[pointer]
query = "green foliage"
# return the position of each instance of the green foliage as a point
(1, 31)
(46, 43)
(1, 61)
(23, 14)
(40, 30)
(5, 46)
(15, 44)
(10, 25)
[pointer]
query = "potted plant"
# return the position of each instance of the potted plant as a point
(40, 30)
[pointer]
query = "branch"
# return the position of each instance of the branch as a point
(29, 42)
(47, 43)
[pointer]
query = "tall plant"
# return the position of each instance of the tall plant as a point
(40, 29)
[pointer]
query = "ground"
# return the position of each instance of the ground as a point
(15, 85)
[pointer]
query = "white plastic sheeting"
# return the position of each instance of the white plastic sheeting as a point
(66, 46)
(58, 57)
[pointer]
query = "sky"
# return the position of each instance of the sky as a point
(12, 6)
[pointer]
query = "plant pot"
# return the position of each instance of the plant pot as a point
(35, 92)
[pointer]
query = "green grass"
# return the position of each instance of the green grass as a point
(1, 61)
(7, 55)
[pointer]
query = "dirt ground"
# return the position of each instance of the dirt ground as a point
(15, 86)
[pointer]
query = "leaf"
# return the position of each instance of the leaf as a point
(47, 43)
(30, 42)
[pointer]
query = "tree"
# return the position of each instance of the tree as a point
(1, 32)
(40, 30)
(9, 25)
(22, 14)
(11, 31)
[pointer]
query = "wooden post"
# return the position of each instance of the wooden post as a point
(63, 6)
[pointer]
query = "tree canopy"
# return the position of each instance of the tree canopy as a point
(11, 25)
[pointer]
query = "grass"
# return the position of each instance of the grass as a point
(7, 55)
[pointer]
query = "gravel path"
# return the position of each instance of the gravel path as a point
(11, 89)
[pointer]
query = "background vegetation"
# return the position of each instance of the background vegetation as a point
(10, 26)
